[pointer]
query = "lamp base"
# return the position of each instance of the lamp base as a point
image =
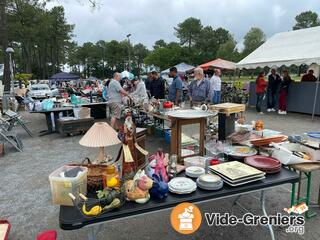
(101, 156)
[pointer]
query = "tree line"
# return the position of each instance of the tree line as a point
(42, 40)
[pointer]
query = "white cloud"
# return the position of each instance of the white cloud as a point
(150, 20)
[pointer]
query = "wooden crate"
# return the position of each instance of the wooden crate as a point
(228, 108)
(72, 126)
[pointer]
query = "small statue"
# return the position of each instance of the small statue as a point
(160, 168)
(138, 189)
(160, 188)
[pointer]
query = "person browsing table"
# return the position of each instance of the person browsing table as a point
(199, 88)
(175, 88)
(215, 87)
(115, 99)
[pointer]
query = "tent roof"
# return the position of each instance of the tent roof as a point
(181, 67)
(286, 48)
(218, 63)
(63, 76)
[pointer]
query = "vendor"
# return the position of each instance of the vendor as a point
(309, 77)
(175, 89)
(140, 91)
(199, 88)
(115, 92)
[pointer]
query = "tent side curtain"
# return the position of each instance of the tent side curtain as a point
(285, 49)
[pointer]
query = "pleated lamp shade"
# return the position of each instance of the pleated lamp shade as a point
(100, 135)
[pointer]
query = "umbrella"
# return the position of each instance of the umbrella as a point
(126, 74)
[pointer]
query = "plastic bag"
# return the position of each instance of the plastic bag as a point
(47, 104)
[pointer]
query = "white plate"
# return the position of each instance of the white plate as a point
(182, 184)
(182, 192)
(190, 114)
(194, 171)
(207, 187)
(210, 179)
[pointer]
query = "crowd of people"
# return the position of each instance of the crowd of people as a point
(199, 91)
(276, 89)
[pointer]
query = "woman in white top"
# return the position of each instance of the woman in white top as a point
(140, 93)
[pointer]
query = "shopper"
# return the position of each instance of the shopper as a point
(309, 77)
(175, 89)
(199, 88)
(140, 92)
(215, 87)
(115, 92)
(157, 86)
(284, 88)
(274, 81)
(261, 85)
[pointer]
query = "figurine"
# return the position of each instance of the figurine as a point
(259, 125)
(160, 168)
(172, 166)
(160, 188)
(137, 189)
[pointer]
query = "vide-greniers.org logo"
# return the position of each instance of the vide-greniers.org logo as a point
(295, 223)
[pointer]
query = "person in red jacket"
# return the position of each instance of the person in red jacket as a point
(261, 86)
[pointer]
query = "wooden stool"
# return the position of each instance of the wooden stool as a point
(306, 169)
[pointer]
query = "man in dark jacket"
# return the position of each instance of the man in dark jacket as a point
(274, 81)
(157, 86)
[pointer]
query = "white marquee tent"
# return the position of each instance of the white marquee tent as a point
(287, 48)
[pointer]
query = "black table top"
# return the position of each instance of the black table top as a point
(70, 218)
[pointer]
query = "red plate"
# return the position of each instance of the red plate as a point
(263, 163)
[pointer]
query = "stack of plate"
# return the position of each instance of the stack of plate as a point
(194, 171)
(265, 164)
(210, 182)
(182, 185)
(236, 173)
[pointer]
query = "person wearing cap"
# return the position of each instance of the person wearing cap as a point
(175, 89)
(140, 91)
(199, 88)
(115, 92)
(157, 86)
(215, 87)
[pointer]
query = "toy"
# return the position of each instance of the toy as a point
(259, 125)
(137, 189)
(160, 188)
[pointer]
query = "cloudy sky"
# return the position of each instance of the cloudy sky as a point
(150, 20)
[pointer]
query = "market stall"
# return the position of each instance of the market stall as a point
(218, 63)
(197, 169)
(182, 68)
(285, 49)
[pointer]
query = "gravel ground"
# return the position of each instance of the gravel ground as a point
(25, 198)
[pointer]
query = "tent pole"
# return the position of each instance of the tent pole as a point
(315, 96)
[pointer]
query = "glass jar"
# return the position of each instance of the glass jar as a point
(111, 177)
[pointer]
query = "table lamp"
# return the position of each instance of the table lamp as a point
(100, 135)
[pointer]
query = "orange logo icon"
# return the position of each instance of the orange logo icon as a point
(186, 218)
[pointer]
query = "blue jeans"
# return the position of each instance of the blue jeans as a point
(259, 101)
(216, 97)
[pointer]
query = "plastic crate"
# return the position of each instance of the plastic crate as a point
(62, 186)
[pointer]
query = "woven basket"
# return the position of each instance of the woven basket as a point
(95, 174)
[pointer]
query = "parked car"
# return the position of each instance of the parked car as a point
(40, 91)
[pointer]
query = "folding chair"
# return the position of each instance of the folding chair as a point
(10, 137)
(14, 119)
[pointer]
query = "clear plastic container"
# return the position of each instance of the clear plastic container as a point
(62, 186)
(198, 161)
